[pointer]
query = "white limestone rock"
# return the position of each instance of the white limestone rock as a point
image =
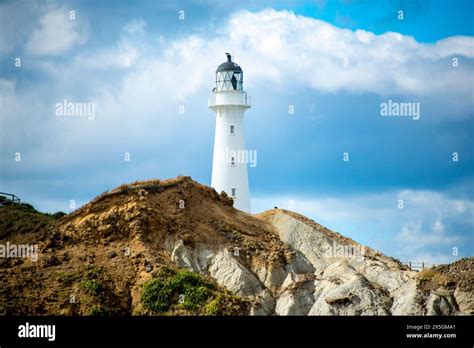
(465, 301)
(296, 300)
(440, 305)
(265, 304)
(184, 258)
(228, 272)
(406, 300)
(344, 291)
(303, 238)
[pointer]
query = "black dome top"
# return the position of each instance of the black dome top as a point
(229, 65)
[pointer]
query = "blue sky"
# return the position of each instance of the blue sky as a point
(333, 62)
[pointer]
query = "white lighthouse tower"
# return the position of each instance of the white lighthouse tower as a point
(229, 165)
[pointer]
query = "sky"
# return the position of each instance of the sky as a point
(318, 73)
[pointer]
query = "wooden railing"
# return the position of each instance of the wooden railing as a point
(418, 265)
(10, 198)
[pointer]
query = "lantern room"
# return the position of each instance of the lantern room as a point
(229, 76)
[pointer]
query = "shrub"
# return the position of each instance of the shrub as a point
(91, 271)
(92, 286)
(185, 278)
(185, 290)
(99, 311)
(226, 304)
(174, 291)
(430, 274)
(213, 308)
(195, 296)
(59, 214)
(156, 295)
(426, 274)
(159, 294)
(27, 206)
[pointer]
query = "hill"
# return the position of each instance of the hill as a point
(176, 247)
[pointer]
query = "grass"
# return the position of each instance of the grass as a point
(98, 310)
(430, 274)
(152, 185)
(184, 290)
(22, 218)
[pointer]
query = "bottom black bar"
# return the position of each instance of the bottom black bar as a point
(243, 331)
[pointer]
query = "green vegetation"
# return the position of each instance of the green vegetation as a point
(99, 310)
(91, 271)
(58, 215)
(184, 287)
(212, 308)
(224, 305)
(24, 218)
(92, 286)
(97, 296)
(184, 290)
(156, 295)
(91, 280)
(66, 278)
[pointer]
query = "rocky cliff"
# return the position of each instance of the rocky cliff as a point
(178, 247)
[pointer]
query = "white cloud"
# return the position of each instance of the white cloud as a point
(275, 48)
(291, 51)
(311, 52)
(55, 33)
(286, 51)
(135, 26)
(429, 226)
(12, 32)
(415, 232)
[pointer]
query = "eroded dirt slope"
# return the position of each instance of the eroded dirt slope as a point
(136, 249)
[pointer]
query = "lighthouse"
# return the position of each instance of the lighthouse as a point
(229, 101)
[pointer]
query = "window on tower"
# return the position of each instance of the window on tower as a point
(232, 129)
(229, 80)
(232, 161)
(233, 192)
(237, 80)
